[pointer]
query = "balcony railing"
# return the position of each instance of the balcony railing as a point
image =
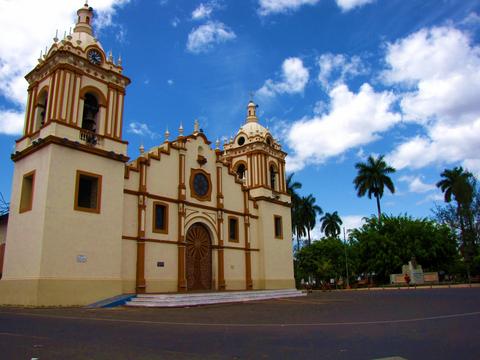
(89, 137)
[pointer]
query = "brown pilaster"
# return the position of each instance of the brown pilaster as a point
(182, 282)
(142, 188)
(221, 262)
(248, 260)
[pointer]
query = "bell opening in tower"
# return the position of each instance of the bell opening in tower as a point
(90, 112)
(41, 110)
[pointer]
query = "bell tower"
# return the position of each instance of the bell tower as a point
(257, 158)
(66, 213)
(76, 92)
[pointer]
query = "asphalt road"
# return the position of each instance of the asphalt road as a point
(409, 324)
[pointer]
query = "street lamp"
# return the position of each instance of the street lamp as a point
(346, 258)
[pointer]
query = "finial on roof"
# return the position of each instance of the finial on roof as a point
(142, 149)
(85, 17)
(252, 112)
(167, 134)
(196, 127)
(55, 39)
(217, 144)
(110, 56)
(119, 61)
(180, 129)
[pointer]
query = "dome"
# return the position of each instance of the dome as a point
(253, 128)
(84, 40)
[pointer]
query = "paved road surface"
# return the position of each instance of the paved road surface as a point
(409, 324)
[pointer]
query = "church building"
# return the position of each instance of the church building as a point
(87, 223)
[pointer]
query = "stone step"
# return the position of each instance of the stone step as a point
(216, 294)
(184, 300)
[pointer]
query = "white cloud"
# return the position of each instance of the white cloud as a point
(202, 11)
(170, 82)
(416, 184)
(335, 68)
(444, 143)
(268, 7)
(141, 129)
(347, 5)
(294, 78)
(440, 69)
(472, 19)
(354, 119)
(11, 122)
(202, 38)
(175, 22)
(352, 222)
(22, 41)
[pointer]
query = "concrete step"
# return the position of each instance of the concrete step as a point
(184, 300)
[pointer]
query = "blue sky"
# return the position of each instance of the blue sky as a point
(335, 81)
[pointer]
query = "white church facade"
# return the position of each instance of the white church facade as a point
(87, 223)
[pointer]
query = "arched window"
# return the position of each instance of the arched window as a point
(241, 171)
(40, 110)
(272, 177)
(88, 20)
(90, 112)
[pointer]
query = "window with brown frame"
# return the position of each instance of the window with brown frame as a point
(26, 196)
(88, 192)
(233, 229)
(160, 218)
(278, 226)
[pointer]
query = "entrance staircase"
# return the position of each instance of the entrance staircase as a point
(196, 299)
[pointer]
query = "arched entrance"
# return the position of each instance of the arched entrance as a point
(199, 258)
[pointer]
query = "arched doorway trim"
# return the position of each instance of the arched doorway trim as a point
(198, 257)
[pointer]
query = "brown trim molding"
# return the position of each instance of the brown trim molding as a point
(275, 218)
(164, 230)
(28, 206)
(193, 193)
(188, 203)
(278, 202)
(95, 210)
(172, 242)
(237, 237)
(52, 139)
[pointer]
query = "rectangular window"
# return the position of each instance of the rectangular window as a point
(160, 218)
(278, 227)
(88, 191)
(233, 229)
(26, 196)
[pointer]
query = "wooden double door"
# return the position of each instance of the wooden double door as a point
(198, 258)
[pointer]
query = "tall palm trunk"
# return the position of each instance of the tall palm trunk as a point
(465, 240)
(309, 241)
(378, 207)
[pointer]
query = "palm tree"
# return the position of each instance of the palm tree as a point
(460, 184)
(331, 224)
(309, 213)
(372, 178)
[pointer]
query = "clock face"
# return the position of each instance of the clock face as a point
(94, 57)
(200, 184)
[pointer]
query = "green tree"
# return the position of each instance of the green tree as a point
(331, 224)
(384, 246)
(322, 260)
(372, 179)
(460, 185)
(309, 214)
